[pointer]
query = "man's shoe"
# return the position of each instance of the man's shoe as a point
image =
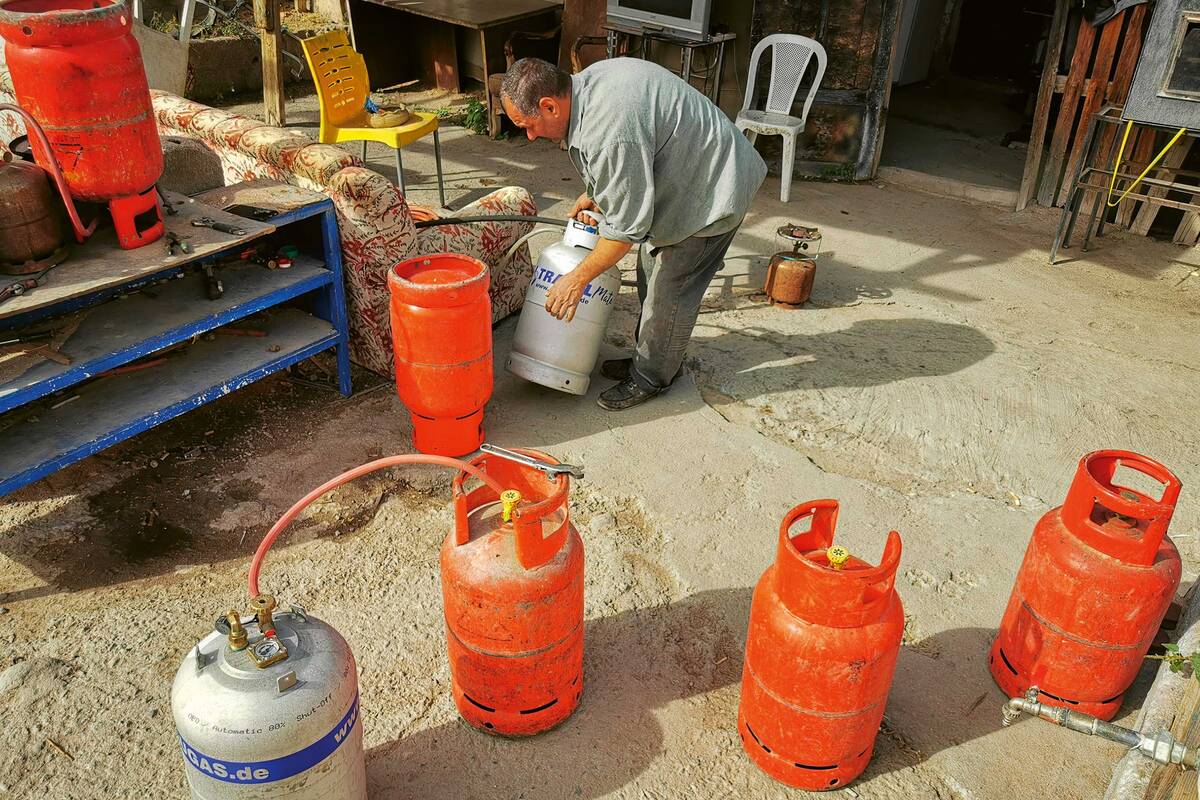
(626, 394)
(617, 369)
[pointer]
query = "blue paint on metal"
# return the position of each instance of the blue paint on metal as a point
(133, 428)
(327, 293)
(89, 369)
(276, 769)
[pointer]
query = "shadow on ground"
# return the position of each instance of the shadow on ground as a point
(639, 662)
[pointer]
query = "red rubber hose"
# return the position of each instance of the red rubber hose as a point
(81, 232)
(346, 477)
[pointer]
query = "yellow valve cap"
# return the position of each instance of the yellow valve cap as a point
(508, 501)
(837, 556)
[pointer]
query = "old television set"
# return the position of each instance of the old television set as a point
(684, 18)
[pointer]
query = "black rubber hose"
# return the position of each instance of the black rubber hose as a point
(429, 223)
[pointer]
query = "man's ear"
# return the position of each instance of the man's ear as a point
(549, 105)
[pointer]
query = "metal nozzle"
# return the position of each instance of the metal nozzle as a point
(837, 556)
(237, 632)
(508, 502)
(262, 605)
(1162, 747)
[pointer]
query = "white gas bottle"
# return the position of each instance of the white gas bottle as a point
(266, 708)
(554, 352)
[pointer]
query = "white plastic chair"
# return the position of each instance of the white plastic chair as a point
(790, 57)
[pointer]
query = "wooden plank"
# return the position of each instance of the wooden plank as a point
(100, 263)
(1147, 213)
(1106, 53)
(474, 14)
(1065, 125)
(1142, 144)
(1170, 782)
(1118, 90)
(266, 15)
(1188, 231)
(1041, 114)
(441, 46)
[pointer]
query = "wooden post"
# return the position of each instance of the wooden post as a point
(1172, 161)
(1065, 125)
(266, 17)
(1110, 34)
(1041, 115)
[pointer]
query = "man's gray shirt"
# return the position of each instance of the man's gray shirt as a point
(660, 160)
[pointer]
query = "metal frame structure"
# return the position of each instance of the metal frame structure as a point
(1093, 178)
(614, 31)
(151, 313)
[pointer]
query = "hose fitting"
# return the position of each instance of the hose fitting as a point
(1162, 747)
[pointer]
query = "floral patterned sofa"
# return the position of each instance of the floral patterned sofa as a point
(376, 224)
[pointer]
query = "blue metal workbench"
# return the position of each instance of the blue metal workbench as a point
(137, 303)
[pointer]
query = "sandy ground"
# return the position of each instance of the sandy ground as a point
(943, 382)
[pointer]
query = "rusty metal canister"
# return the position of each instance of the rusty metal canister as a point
(1098, 577)
(77, 69)
(31, 230)
(791, 273)
(442, 341)
(821, 649)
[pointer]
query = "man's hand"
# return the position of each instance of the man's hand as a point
(564, 296)
(583, 203)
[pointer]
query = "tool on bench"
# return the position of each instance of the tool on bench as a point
(176, 245)
(252, 212)
(223, 227)
(18, 288)
(26, 338)
(166, 204)
(552, 470)
(213, 287)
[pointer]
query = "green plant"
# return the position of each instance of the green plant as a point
(1179, 662)
(163, 24)
(476, 119)
(838, 172)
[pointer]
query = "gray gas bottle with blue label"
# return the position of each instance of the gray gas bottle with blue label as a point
(553, 352)
(267, 707)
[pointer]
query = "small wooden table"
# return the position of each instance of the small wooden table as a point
(431, 26)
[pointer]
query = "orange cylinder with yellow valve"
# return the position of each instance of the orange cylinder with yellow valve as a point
(512, 587)
(825, 631)
(1097, 579)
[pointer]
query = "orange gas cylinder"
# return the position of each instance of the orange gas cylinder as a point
(512, 586)
(825, 630)
(77, 68)
(1098, 576)
(442, 339)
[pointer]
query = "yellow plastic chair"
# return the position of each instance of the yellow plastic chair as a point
(343, 87)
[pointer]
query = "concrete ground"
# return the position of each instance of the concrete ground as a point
(950, 137)
(943, 381)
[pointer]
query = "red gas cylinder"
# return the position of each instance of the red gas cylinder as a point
(442, 338)
(1097, 579)
(825, 631)
(78, 70)
(512, 585)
